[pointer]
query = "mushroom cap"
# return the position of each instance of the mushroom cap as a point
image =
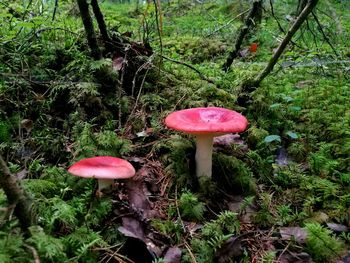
(210, 120)
(102, 167)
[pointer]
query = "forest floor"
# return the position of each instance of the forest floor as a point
(280, 191)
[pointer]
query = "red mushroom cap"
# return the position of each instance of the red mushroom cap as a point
(211, 120)
(103, 167)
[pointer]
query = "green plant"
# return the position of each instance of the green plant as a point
(79, 243)
(202, 251)
(268, 257)
(322, 244)
(190, 207)
(176, 153)
(106, 142)
(170, 228)
(12, 248)
(49, 248)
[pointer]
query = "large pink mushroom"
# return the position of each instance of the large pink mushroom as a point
(104, 168)
(205, 124)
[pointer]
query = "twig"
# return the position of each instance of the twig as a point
(27, 10)
(274, 16)
(120, 87)
(250, 86)
(178, 210)
(55, 10)
(137, 72)
(311, 31)
(284, 250)
(137, 98)
(191, 67)
(228, 23)
(253, 15)
(323, 33)
(34, 253)
(193, 258)
(159, 14)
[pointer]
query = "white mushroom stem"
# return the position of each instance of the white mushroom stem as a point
(104, 183)
(204, 152)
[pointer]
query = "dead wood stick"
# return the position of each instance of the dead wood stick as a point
(252, 85)
(253, 16)
(320, 28)
(228, 23)
(16, 196)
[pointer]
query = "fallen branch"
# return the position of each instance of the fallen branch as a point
(253, 16)
(16, 196)
(252, 85)
(320, 28)
(228, 23)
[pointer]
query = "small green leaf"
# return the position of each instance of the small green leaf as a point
(292, 135)
(275, 105)
(288, 98)
(295, 108)
(272, 138)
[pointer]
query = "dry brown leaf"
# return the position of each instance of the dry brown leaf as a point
(298, 233)
(173, 255)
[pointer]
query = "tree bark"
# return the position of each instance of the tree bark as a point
(16, 197)
(301, 6)
(89, 29)
(254, 16)
(100, 21)
(291, 32)
(251, 85)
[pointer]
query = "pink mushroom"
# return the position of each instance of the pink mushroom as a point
(104, 168)
(205, 124)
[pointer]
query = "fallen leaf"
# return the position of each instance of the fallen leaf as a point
(338, 227)
(142, 134)
(295, 258)
(298, 233)
(246, 215)
(173, 255)
(230, 250)
(137, 251)
(27, 124)
(22, 174)
(138, 199)
(118, 63)
(344, 260)
(253, 47)
(132, 228)
(244, 52)
(226, 141)
(282, 158)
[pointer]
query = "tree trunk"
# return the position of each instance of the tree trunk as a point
(253, 17)
(89, 29)
(301, 6)
(101, 22)
(295, 27)
(250, 85)
(16, 197)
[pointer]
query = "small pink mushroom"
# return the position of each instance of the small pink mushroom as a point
(205, 124)
(104, 168)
